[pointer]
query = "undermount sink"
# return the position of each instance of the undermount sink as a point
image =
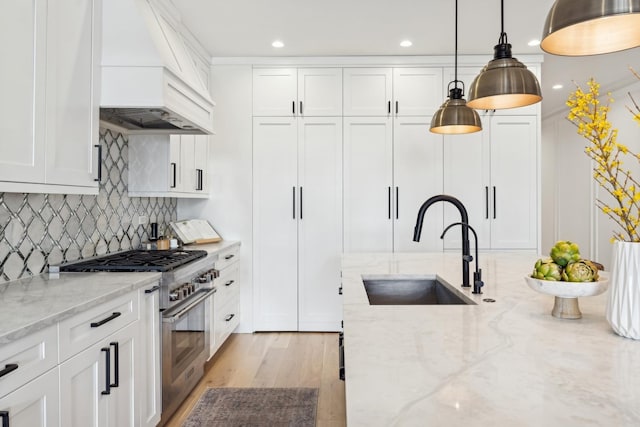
(417, 290)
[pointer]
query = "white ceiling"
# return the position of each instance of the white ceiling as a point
(246, 28)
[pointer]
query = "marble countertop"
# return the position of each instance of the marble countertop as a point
(30, 304)
(507, 362)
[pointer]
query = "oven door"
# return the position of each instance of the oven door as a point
(185, 341)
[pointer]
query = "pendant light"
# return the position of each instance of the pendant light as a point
(504, 82)
(454, 117)
(589, 27)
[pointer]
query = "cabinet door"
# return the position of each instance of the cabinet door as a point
(122, 407)
(201, 160)
(72, 105)
(176, 175)
(22, 82)
(320, 223)
(466, 177)
(36, 404)
(368, 181)
(150, 386)
(367, 91)
(416, 91)
(320, 92)
(188, 162)
(274, 92)
(514, 180)
(275, 217)
(417, 159)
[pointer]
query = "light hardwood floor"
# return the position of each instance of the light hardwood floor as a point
(283, 359)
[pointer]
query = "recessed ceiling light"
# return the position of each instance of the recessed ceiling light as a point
(277, 43)
(557, 86)
(405, 43)
(534, 42)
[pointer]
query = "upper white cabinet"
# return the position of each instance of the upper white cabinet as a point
(297, 92)
(50, 96)
(169, 166)
(407, 91)
(494, 174)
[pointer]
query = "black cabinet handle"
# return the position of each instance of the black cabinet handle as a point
(300, 202)
(4, 415)
(99, 178)
(107, 370)
(293, 191)
(116, 366)
(340, 290)
(108, 319)
(397, 203)
(8, 368)
(229, 317)
(229, 256)
(293, 107)
(301, 113)
(173, 174)
(396, 107)
(230, 282)
(486, 202)
(494, 202)
(388, 107)
(199, 179)
(389, 202)
(151, 290)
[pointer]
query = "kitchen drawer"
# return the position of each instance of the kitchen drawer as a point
(93, 325)
(34, 355)
(227, 257)
(226, 320)
(227, 285)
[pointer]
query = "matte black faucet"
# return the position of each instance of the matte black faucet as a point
(477, 275)
(466, 252)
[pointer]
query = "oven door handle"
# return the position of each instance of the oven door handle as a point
(175, 317)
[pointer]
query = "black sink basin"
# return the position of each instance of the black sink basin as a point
(413, 291)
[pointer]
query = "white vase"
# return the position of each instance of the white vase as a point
(623, 308)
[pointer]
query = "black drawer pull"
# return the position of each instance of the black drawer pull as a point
(151, 290)
(4, 415)
(230, 282)
(229, 317)
(116, 356)
(229, 256)
(107, 370)
(8, 368)
(99, 178)
(108, 319)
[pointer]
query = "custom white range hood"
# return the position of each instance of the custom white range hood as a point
(149, 80)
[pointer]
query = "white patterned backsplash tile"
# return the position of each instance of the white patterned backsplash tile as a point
(41, 229)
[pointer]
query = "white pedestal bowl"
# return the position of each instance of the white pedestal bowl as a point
(566, 293)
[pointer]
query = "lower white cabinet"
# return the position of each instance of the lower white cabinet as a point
(493, 173)
(297, 218)
(149, 374)
(225, 309)
(97, 386)
(35, 404)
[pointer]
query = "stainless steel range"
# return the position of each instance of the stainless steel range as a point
(185, 288)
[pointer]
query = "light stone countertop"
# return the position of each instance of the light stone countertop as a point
(34, 303)
(507, 363)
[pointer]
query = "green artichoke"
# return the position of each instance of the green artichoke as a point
(546, 269)
(580, 271)
(565, 252)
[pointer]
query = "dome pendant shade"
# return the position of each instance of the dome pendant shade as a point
(589, 27)
(454, 117)
(504, 83)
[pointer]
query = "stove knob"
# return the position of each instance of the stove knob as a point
(173, 296)
(192, 288)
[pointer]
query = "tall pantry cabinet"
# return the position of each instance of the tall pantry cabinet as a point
(297, 202)
(392, 163)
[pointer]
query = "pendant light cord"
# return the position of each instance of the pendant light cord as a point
(503, 35)
(456, 48)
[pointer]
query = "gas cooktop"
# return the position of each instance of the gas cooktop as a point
(136, 260)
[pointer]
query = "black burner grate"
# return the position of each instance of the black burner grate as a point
(136, 260)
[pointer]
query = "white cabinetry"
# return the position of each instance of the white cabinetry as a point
(225, 314)
(169, 166)
(49, 107)
(150, 381)
(407, 91)
(297, 92)
(494, 174)
(35, 404)
(297, 223)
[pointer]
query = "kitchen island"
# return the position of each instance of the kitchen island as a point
(502, 363)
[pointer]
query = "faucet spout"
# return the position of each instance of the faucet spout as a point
(466, 251)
